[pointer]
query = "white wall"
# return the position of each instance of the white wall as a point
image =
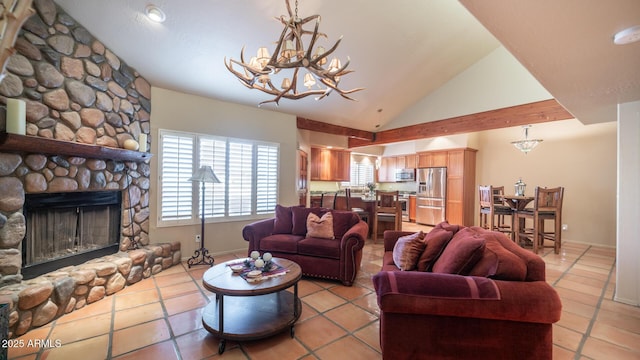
(628, 205)
(494, 82)
(183, 112)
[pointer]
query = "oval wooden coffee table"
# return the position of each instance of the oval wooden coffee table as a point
(251, 310)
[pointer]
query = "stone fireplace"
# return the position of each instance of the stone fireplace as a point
(82, 98)
(82, 104)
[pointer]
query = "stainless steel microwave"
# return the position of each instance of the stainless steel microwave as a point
(406, 175)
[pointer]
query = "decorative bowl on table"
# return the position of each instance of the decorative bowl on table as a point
(237, 268)
(254, 273)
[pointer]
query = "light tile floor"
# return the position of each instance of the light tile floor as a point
(159, 317)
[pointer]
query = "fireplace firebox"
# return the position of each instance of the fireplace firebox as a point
(64, 229)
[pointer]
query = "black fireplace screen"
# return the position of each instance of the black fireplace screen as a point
(68, 228)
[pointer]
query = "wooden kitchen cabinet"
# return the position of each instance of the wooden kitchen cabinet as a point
(410, 161)
(330, 164)
(320, 164)
(406, 161)
(461, 186)
(389, 165)
(387, 170)
(341, 165)
(432, 159)
(412, 208)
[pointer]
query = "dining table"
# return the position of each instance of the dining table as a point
(516, 203)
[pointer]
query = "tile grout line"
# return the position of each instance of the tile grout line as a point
(348, 333)
(166, 313)
(554, 285)
(42, 350)
(592, 321)
(585, 336)
(112, 327)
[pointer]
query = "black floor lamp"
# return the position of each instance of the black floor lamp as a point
(204, 175)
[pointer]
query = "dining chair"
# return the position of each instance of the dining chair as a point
(493, 210)
(328, 200)
(547, 205)
(387, 209)
(505, 210)
(364, 214)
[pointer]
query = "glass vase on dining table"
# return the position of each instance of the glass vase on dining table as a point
(520, 187)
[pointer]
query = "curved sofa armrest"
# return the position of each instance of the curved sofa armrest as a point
(254, 232)
(391, 238)
(354, 238)
(416, 293)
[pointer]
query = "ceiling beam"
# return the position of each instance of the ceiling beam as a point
(532, 113)
(313, 125)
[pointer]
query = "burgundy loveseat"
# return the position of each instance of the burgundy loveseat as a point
(475, 294)
(285, 236)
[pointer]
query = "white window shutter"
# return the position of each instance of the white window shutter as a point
(240, 172)
(177, 167)
(213, 153)
(266, 178)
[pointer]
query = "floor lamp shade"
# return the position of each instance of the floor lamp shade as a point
(205, 174)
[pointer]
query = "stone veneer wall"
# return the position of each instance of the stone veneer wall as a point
(76, 90)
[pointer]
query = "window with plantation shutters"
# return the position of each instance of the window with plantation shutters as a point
(213, 152)
(361, 173)
(267, 178)
(247, 170)
(240, 172)
(176, 191)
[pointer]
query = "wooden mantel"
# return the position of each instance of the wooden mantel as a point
(40, 145)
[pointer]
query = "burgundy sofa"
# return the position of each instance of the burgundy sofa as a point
(285, 236)
(478, 296)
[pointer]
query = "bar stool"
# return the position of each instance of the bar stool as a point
(328, 200)
(364, 214)
(388, 209)
(493, 210)
(547, 205)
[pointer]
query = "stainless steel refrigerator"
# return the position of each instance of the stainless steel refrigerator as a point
(430, 199)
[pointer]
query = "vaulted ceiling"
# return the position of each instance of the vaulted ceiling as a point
(401, 51)
(568, 47)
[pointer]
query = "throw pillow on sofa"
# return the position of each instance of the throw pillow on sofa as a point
(463, 251)
(498, 262)
(320, 227)
(407, 250)
(343, 221)
(283, 223)
(299, 217)
(436, 241)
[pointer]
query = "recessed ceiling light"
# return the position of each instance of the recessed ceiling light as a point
(155, 14)
(627, 36)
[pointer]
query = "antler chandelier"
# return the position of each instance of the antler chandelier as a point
(291, 54)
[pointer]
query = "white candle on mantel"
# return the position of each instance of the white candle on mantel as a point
(142, 140)
(16, 116)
